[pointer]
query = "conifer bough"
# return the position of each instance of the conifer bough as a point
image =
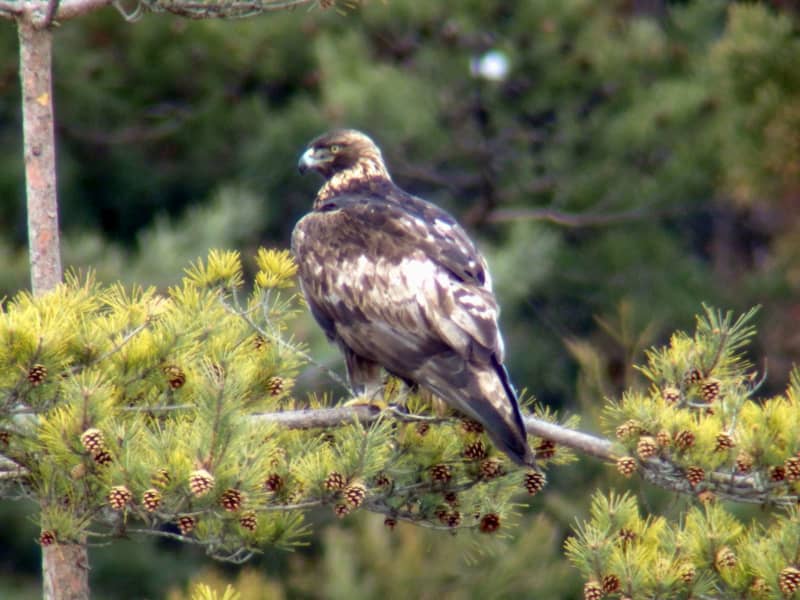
(222, 462)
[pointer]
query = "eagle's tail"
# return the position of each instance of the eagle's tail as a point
(484, 393)
(519, 450)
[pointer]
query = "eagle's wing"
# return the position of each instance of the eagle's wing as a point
(404, 287)
(365, 261)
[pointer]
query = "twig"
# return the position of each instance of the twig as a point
(117, 347)
(278, 340)
(155, 409)
(168, 535)
(52, 9)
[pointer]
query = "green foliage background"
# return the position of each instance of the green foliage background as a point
(637, 160)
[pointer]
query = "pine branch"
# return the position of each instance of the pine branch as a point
(333, 417)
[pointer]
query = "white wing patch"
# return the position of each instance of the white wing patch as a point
(416, 273)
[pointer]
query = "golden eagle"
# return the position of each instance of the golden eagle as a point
(396, 283)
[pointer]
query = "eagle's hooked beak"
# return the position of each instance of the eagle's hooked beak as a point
(307, 161)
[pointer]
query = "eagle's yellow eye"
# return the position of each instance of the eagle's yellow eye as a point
(334, 148)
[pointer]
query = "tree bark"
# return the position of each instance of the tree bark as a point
(65, 568)
(35, 67)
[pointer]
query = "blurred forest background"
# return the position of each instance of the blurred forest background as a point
(620, 163)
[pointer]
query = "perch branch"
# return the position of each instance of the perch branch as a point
(332, 417)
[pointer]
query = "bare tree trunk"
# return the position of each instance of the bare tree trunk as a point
(65, 567)
(35, 68)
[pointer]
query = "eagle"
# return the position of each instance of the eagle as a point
(396, 283)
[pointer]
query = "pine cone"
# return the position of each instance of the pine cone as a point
(744, 462)
(610, 584)
(151, 499)
(186, 524)
(475, 451)
(119, 496)
(341, 510)
(671, 394)
(692, 377)
(546, 450)
(449, 518)
(470, 426)
(695, 475)
(663, 438)
(248, 520)
(759, 587)
(335, 481)
(103, 458)
(160, 478)
(354, 494)
(276, 385)
(201, 482)
(724, 442)
(777, 473)
(687, 572)
(490, 522)
(628, 429)
(231, 500)
(534, 482)
(390, 523)
(725, 559)
(273, 483)
(451, 498)
(47, 537)
(260, 342)
(453, 519)
(592, 590)
(789, 580)
(37, 374)
(175, 376)
(792, 467)
(422, 429)
(93, 440)
(626, 465)
(684, 439)
(441, 473)
(647, 447)
(491, 468)
(709, 390)
(626, 536)
(383, 480)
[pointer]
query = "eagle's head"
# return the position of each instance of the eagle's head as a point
(343, 151)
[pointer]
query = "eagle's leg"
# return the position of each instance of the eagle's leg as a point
(365, 380)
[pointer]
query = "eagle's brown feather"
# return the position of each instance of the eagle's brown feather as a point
(396, 282)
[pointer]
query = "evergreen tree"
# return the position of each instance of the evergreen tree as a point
(622, 166)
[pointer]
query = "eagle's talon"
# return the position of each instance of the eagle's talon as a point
(363, 401)
(368, 398)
